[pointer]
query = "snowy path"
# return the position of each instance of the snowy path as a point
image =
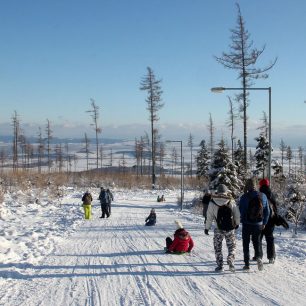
(118, 261)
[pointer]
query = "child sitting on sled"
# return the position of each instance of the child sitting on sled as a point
(151, 219)
(181, 243)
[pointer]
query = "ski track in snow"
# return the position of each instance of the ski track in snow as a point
(119, 261)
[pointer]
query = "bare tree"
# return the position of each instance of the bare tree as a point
(3, 158)
(211, 130)
(16, 134)
(301, 158)
(162, 154)
(87, 142)
(174, 158)
(40, 150)
(95, 116)
(48, 139)
(59, 157)
(154, 103)
(243, 57)
(264, 128)
(190, 145)
(231, 123)
(289, 157)
(101, 156)
(283, 150)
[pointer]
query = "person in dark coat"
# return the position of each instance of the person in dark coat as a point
(105, 203)
(205, 201)
(252, 228)
(151, 219)
(264, 187)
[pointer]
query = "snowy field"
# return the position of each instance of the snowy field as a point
(50, 255)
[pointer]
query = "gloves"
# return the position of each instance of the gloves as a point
(206, 232)
(237, 226)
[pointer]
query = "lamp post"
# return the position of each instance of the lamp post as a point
(221, 89)
(182, 187)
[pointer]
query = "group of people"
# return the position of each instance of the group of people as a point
(256, 211)
(161, 198)
(106, 197)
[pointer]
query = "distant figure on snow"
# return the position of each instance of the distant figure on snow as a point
(205, 201)
(111, 198)
(182, 241)
(151, 219)
(105, 202)
(87, 199)
(161, 199)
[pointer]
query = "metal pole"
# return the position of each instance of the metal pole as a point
(181, 174)
(270, 140)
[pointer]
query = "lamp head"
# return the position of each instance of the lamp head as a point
(217, 89)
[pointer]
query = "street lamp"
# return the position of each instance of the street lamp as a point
(221, 89)
(182, 187)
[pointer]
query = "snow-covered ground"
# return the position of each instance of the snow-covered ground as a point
(50, 255)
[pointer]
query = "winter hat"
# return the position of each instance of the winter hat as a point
(264, 182)
(249, 185)
(222, 189)
(178, 224)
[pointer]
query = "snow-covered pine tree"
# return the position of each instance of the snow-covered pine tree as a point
(239, 159)
(261, 155)
(295, 203)
(223, 170)
(203, 160)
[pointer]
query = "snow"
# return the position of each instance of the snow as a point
(50, 255)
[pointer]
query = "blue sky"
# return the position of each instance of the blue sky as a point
(56, 55)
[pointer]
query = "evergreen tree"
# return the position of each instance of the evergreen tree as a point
(223, 170)
(296, 202)
(277, 167)
(261, 154)
(289, 157)
(239, 159)
(203, 160)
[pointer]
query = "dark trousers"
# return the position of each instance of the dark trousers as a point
(105, 210)
(268, 233)
(168, 242)
(254, 231)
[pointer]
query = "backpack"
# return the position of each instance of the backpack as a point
(225, 218)
(87, 199)
(272, 211)
(255, 209)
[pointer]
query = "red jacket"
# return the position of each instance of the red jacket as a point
(182, 241)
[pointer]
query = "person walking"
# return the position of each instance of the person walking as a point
(87, 199)
(205, 201)
(105, 202)
(223, 210)
(254, 211)
(264, 187)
